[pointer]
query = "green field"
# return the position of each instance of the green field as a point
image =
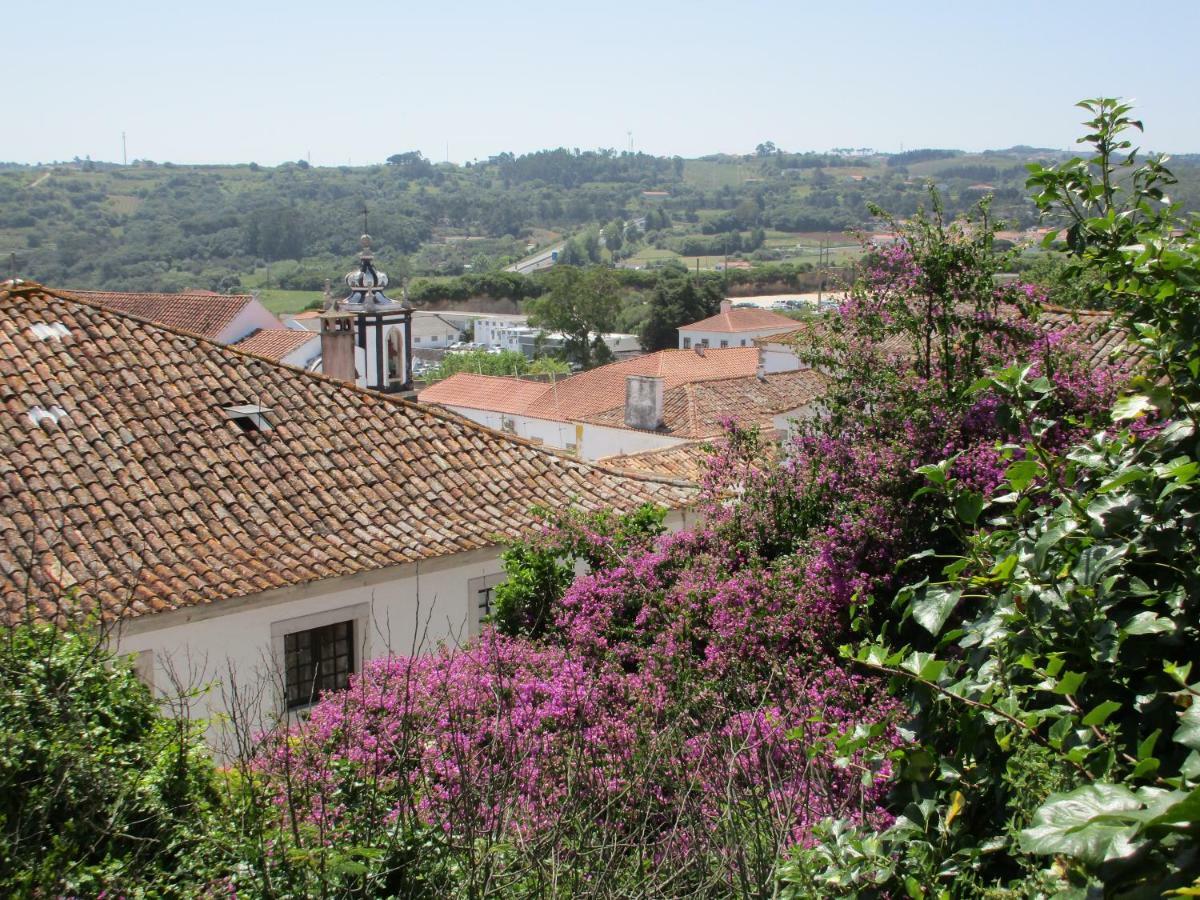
(281, 302)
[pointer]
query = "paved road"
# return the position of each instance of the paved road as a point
(542, 260)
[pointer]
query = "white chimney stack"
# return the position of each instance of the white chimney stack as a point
(644, 401)
(726, 306)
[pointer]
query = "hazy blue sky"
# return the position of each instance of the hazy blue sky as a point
(227, 81)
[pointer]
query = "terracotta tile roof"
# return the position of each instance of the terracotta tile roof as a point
(275, 343)
(492, 392)
(201, 312)
(124, 477)
(741, 319)
(603, 388)
(698, 410)
(1092, 329)
(688, 461)
(578, 396)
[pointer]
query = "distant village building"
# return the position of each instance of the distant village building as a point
(224, 318)
(650, 402)
(289, 346)
(733, 327)
(247, 524)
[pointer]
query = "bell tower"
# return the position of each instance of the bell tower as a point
(367, 337)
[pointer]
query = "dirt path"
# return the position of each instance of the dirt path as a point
(43, 177)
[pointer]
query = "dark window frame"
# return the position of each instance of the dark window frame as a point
(317, 660)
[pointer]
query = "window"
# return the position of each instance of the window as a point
(743, 342)
(704, 342)
(482, 593)
(395, 356)
(724, 344)
(687, 343)
(316, 660)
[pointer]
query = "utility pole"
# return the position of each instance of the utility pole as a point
(124, 151)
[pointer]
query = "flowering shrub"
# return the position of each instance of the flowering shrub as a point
(684, 703)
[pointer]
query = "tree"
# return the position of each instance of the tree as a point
(614, 235)
(97, 788)
(573, 254)
(766, 148)
(678, 300)
(582, 304)
(591, 244)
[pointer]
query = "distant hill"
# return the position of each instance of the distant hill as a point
(169, 227)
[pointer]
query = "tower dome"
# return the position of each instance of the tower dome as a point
(366, 283)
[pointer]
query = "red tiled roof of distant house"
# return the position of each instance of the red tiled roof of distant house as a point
(1092, 330)
(738, 319)
(498, 393)
(128, 486)
(700, 409)
(604, 387)
(587, 393)
(201, 312)
(275, 343)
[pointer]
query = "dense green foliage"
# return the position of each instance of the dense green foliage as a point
(583, 305)
(506, 362)
(1048, 652)
(678, 300)
(97, 789)
(168, 227)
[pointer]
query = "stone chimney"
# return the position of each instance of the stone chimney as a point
(762, 364)
(644, 401)
(337, 345)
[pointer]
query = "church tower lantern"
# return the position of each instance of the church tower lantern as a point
(367, 336)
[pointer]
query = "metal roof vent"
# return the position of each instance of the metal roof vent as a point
(249, 416)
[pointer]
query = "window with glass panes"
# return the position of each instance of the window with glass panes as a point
(316, 660)
(484, 597)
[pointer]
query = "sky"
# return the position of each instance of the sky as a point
(221, 81)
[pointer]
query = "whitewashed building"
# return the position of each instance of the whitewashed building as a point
(649, 402)
(733, 327)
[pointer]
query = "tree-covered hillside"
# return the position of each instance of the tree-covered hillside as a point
(168, 227)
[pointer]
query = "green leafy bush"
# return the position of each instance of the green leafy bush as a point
(97, 789)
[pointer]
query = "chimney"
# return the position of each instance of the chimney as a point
(762, 365)
(337, 345)
(726, 306)
(644, 401)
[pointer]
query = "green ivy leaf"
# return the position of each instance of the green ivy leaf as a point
(1021, 473)
(1130, 407)
(968, 506)
(1100, 713)
(1188, 732)
(933, 608)
(1066, 824)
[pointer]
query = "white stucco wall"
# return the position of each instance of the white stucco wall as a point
(305, 354)
(238, 643)
(590, 442)
(735, 339)
(779, 358)
(254, 316)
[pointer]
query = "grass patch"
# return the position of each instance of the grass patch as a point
(281, 302)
